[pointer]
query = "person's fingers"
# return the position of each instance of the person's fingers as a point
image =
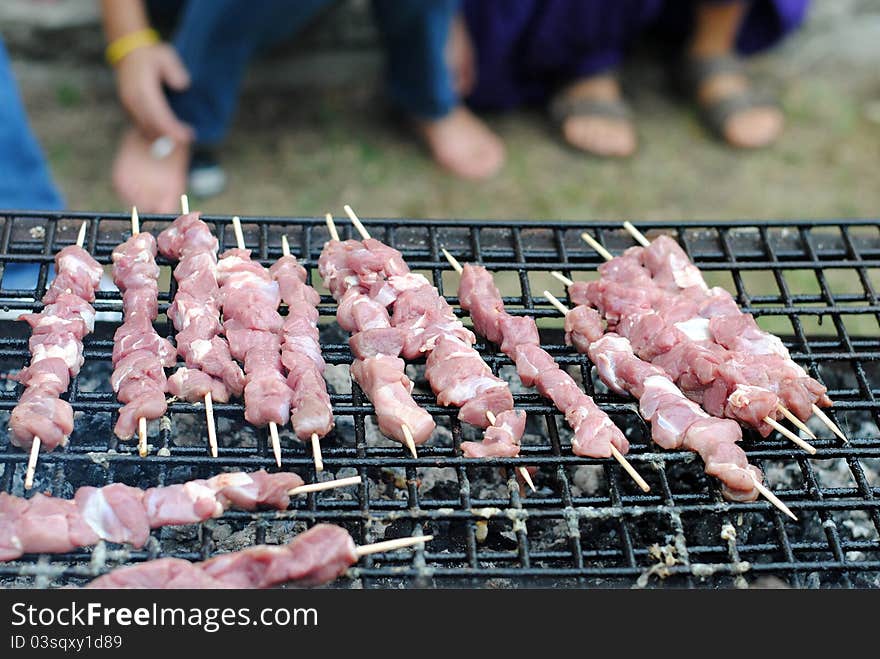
(173, 71)
(156, 119)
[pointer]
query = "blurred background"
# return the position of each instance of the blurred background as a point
(313, 130)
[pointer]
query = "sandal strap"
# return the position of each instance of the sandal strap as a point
(564, 107)
(717, 113)
(695, 71)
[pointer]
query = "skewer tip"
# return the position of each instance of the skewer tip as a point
(32, 463)
(143, 450)
(641, 482)
(592, 242)
(316, 452)
(388, 545)
(561, 277)
(789, 435)
(276, 442)
(409, 441)
(828, 422)
(135, 221)
(635, 233)
(454, 262)
(285, 246)
(324, 485)
(527, 477)
(184, 204)
(81, 236)
(239, 234)
(772, 498)
(212, 428)
(331, 227)
(355, 220)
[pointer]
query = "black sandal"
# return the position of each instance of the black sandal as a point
(694, 71)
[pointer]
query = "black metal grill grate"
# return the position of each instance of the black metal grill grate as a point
(814, 283)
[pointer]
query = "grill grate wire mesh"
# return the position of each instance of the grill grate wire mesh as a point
(814, 283)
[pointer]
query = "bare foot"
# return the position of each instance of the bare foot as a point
(613, 137)
(140, 179)
(460, 57)
(751, 128)
(462, 144)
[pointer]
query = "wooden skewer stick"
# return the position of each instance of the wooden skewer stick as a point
(592, 242)
(788, 434)
(37, 442)
(212, 429)
(561, 277)
(409, 441)
(81, 236)
(273, 427)
(614, 451)
(387, 545)
(326, 485)
(772, 498)
(316, 444)
(636, 234)
(828, 422)
(143, 450)
(797, 422)
(785, 432)
(331, 227)
(209, 400)
(276, 442)
(452, 260)
(32, 463)
(526, 476)
(361, 229)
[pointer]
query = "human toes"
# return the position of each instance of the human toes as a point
(754, 128)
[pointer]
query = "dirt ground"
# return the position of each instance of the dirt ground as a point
(306, 152)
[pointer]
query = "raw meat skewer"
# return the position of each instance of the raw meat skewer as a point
(642, 240)
(671, 404)
(568, 383)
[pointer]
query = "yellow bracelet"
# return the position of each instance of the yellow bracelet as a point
(119, 48)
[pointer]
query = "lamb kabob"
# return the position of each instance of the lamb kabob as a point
(210, 373)
(595, 435)
(457, 373)
(349, 269)
(735, 330)
(140, 355)
(311, 414)
(123, 514)
(676, 421)
(41, 419)
(314, 557)
(662, 330)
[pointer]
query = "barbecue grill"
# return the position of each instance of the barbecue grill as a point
(813, 283)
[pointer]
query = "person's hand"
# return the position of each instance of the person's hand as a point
(140, 77)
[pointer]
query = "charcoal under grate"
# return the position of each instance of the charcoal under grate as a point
(813, 283)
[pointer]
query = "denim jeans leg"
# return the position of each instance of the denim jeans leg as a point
(25, 181)
(415, 34)
(216, 40)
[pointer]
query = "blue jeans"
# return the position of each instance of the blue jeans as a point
(217, 39)
(25, 182)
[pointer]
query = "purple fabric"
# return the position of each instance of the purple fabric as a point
(527, 49)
